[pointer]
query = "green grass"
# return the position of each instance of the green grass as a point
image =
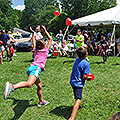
(101, 97)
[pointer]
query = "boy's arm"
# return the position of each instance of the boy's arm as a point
(86, 70)
(49, 37)
(86, 77)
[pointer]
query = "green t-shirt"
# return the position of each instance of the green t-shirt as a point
(78, 44)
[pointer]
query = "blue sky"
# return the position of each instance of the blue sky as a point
(17, 2)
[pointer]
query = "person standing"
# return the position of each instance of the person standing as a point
(59, 36)
(78, 76)
(6, 40)
(79, 39)
(37, 35)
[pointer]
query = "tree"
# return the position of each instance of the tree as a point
(76, 9)
(58, 23)
(33, 12)
(8, 18)
(46, 15)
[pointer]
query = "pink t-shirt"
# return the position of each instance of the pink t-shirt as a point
(40, 58)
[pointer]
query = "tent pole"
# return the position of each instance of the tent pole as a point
(114, 42)
(72, 29)
(113, 34)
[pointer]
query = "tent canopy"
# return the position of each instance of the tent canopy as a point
(17, 30)
(107, 17)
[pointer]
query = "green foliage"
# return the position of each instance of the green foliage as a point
(101, 97)
(37, 12)
(46, 15)
(79, 8)
(8, 18)
(57, 23)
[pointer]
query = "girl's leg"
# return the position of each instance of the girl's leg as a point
(31, 80)
(39, 89)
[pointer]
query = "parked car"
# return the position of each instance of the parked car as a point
(25, 35)
(17, 36)
(24, 46)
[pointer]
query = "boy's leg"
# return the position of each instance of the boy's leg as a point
(75, 109)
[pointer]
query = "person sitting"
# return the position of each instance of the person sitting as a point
(89, 45)
(118, 47)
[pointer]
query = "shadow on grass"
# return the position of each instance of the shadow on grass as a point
(64, 111)
(97, 63)
(29, 60)
(70, 61)
(116, 64)
(5, 60)
(21, 106)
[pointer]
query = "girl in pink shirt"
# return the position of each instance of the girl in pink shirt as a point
(34, 70)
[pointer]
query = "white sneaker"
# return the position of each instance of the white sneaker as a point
(44, 103)
(8, 90)
(87, 59)
(14, 54)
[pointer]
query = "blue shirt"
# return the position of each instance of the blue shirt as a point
(80, 67)
(60, 37)
(5, 39)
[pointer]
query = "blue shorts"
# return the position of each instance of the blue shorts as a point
(77, 92)
(34, 70)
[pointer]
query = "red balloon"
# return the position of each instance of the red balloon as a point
(1, 42)
(56, 12)
(68, 21)
(90, 75)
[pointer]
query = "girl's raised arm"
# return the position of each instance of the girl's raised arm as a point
(49, 37)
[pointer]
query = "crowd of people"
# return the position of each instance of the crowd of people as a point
(7, 44)
(96, 44)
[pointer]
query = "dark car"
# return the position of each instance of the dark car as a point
(24, 46)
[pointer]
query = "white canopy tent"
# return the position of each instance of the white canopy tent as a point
(109, 17)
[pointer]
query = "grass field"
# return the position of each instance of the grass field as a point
(101, 97)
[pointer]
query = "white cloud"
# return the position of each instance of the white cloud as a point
(19, 7)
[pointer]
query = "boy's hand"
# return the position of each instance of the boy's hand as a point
(90, 77)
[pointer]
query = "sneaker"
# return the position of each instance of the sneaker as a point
(117, 55)
(14, 54)
(80, 107)
(87, 59)
(43, 103)
(11, 60)
(8, 90)
(4, 56)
